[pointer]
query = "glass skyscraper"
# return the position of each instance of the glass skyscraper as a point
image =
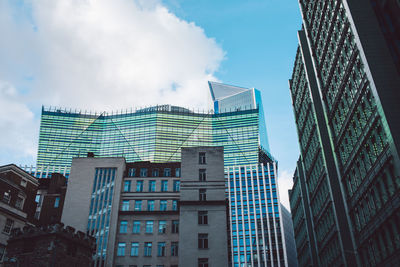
(154, 134)
(158, 133)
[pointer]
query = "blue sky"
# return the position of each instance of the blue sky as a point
(260, 41)
(108, 55)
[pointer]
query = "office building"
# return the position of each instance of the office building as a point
(227, 98)
(157, 134)
(345, 98)
(141, 217)
(154, 134)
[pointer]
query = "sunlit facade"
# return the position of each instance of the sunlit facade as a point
(155, 135)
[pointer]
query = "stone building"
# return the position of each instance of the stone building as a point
(51, 245)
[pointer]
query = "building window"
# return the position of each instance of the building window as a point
(149, 227)
(138, 205)
(202, 262)
(162, 227)
(139, 186)
(136, 227)
(121, 249)
(6, 197)
(132, 172)
(147, 249)
(175, 205)
(178, 172)
(177, 185)
(127, 185)
(23, 184)
(174, 248)
(163, 205)
(56, 202)
(161, 249)
(150, 205)
(202, 175)
(8, 226)
(135, 249)
(164, 185)
(38, 199)
(143, 172)
(175, 227)
(167, 172)
(203, 241)
(156, 172)
(152, 186)
(202, 195)
(19, 203)
(202, 158)
(125, 205)
(202, 217)
(123, 227)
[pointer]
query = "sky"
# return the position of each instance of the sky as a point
(112, 55)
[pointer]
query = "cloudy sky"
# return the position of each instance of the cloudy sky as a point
(108, 55)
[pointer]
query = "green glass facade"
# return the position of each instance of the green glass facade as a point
(155, 134)
(345, 99)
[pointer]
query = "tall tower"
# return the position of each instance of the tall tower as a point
(228, 98)
(345, 93)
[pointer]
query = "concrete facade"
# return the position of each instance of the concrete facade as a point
(80, 195)
(192, 251)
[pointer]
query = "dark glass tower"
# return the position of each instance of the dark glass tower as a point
(345, 91)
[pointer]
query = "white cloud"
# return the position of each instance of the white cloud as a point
(285, 182)
(17, 125)
(102, 55)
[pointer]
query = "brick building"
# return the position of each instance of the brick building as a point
(50, 199)
(17, 201)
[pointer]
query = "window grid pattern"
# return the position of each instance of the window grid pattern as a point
(100, 209)
(360, 141)
(255, 221)
(155, 136)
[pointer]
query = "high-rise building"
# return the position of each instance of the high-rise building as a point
(154, 134)
(345, 94)
(228, 98)
(157, 134)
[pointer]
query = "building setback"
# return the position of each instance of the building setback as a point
(345, 94)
